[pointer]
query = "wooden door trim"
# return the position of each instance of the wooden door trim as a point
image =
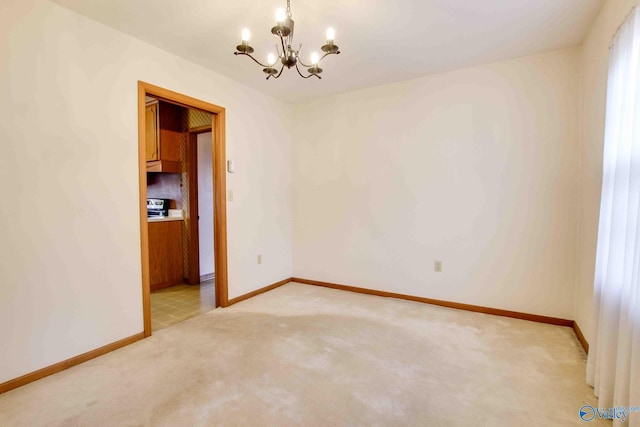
(219, 185)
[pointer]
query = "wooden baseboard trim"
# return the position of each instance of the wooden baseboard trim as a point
(260, 291)
(65, 364)
(580, 335)
(449, 304)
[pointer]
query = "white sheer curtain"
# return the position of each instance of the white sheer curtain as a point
(613, 366)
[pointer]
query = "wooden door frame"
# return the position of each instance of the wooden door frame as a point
(219, 190)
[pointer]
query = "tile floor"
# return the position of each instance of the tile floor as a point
(177, 303)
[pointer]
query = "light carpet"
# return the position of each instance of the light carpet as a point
(309, 356)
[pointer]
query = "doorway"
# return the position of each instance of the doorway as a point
(204, 204)
(216, 149)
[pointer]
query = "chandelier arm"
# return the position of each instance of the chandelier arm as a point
(319, 60)
(327, 54)
(275, 76)
(254, 59)
(303, 76)
(303, 64)
(281, 70)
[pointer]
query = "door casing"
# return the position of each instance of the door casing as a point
(219, 190)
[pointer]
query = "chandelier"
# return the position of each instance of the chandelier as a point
(287, 56)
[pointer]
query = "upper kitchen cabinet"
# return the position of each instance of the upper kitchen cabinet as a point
(163, 125)
(151, 126)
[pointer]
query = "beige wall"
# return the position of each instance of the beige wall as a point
(475, 167)
(70, 246)
(595, 63)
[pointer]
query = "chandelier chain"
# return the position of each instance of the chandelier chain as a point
(289, 9)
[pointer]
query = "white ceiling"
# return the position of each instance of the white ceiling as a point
(381, 41)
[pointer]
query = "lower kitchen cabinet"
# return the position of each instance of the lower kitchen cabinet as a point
(165, 254)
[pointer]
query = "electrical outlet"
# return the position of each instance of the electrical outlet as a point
(259, 259)
(437, 266)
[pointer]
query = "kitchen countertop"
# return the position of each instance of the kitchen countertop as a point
(165, 219)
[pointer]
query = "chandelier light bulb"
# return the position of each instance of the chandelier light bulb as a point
(271, 59)
(315, 58)
(280, 16)
(246, 35)
(331, 34)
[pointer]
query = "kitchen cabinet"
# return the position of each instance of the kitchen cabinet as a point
(151, 127)
(165, 254)
(164, 134)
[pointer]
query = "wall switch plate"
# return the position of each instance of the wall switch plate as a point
(230, 195)
(259, 259)
(437, 266)
(231, 166)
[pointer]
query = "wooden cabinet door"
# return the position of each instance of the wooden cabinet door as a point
(165, 254)
(151, 129)
(170, 131)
